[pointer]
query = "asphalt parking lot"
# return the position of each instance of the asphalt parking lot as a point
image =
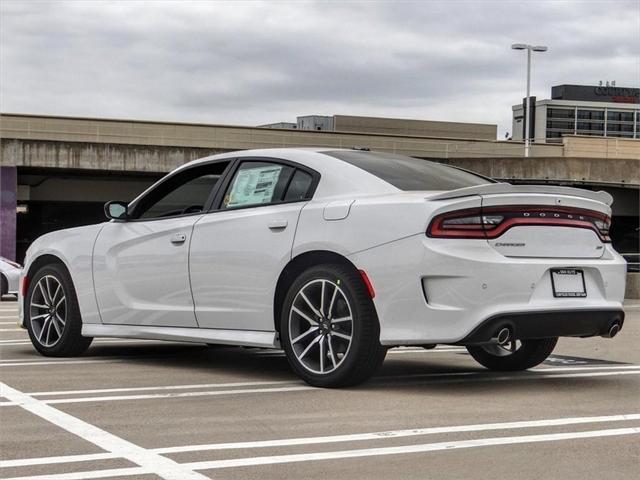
(144, 410)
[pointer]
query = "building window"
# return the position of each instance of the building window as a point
(560, 113)
(620, 134)
(619, 127)
(559, 125)
(591, 114)
(590, 126)
(619, 116)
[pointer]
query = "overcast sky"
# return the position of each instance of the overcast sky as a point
(249, 63)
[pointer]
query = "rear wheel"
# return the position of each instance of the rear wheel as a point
(514, 355)
(329, 328)
(4, 286)
(52, 315)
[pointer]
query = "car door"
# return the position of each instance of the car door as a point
(238, 250)
(141, 265)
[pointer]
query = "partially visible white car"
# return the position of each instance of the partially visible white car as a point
(9, 276)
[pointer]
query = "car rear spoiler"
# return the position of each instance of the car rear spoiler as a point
(501, 187)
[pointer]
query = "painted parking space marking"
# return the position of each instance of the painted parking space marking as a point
(401, 433)
(320, 440)
(456, 377)
(152, 462)
(165, 387)
(572, 360)
(344, 454)
(422, 448)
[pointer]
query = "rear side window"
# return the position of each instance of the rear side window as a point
(408, 173)
(299, 186)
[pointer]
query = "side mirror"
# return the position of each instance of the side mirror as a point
(116, 210)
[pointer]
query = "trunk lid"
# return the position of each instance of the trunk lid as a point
(541, 221)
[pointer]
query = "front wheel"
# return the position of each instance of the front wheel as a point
(52, 315)
(514, 355)
(329, 328)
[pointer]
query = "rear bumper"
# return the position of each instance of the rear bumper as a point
(533, 325)
(441, 291)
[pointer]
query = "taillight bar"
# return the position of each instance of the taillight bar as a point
(491, 222)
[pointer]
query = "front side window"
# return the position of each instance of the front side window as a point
(183, 193)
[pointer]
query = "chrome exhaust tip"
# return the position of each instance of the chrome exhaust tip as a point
(613, 330)
(503, 336)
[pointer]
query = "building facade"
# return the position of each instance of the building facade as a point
(596, 111)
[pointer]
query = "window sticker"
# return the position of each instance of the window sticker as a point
(253, 186)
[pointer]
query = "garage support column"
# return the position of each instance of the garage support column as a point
(8, 204)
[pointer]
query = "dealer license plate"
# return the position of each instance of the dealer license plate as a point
(568, 282)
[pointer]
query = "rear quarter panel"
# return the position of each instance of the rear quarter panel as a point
(371, 221)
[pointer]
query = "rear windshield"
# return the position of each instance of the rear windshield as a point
(408, 173)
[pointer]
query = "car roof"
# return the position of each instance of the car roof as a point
(338, 178)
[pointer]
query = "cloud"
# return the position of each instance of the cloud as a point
(258, 62)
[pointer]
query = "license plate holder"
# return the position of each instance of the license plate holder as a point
(568, 283)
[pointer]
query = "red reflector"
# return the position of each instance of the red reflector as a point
(24, 286)
(367, 283)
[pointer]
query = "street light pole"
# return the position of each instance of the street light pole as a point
(529, 49)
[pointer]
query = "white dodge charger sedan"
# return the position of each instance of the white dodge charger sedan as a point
(334, 256)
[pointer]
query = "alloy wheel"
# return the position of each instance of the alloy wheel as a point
(48, 311)
(321, 326)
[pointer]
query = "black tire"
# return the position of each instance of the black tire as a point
(365, 354)
(530, 354)
(4, 286)
(70, 343)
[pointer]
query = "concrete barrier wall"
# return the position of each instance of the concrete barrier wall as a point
(602, 148)
(223, 137)
(99, 156)
(575, 170)
(633, 286)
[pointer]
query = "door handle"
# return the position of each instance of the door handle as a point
(278, 224)
(178, 238)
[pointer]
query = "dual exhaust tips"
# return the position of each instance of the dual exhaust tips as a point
(504, 335)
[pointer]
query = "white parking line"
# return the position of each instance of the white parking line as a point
(321, 440)
(284, 382)
(58, 362)
(150, 461)
(165, 387)
(337, 455)
(427, 447)
(15, 322)
(400, 433)
(469, 377)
